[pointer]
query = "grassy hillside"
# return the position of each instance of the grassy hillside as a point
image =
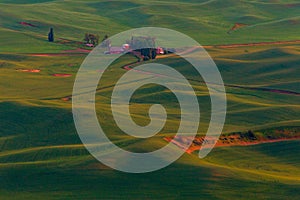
(206, 21)
(41, 155)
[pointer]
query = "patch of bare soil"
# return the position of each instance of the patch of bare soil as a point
(66, 98)
(78, 50)
(30, 70)
(27, 24)
(237, 26)
(55, 54)
(62, 75)
(237, 139)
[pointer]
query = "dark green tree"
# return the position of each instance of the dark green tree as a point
(153, 53)
(91, 39)
(105, 38)
(51, 35)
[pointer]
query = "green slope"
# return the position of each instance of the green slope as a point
(206, 21)
(41, 155)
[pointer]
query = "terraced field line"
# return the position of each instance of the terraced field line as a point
(271, 90)
(129, 67)
(7, 153)
(254, 44)
(260, 173)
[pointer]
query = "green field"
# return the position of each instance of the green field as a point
(206, 21)
(41, 155)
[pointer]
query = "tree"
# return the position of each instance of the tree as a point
(105, 38)
(251, 135)
(91, 38)
(86, 38)
(145, 45)
(51, 35)
(153, 54)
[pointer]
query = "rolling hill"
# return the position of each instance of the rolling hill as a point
(41, 155)
(206, 21)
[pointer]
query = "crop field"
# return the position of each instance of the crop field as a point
(256, 47)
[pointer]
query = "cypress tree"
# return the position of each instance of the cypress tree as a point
(51, 35)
